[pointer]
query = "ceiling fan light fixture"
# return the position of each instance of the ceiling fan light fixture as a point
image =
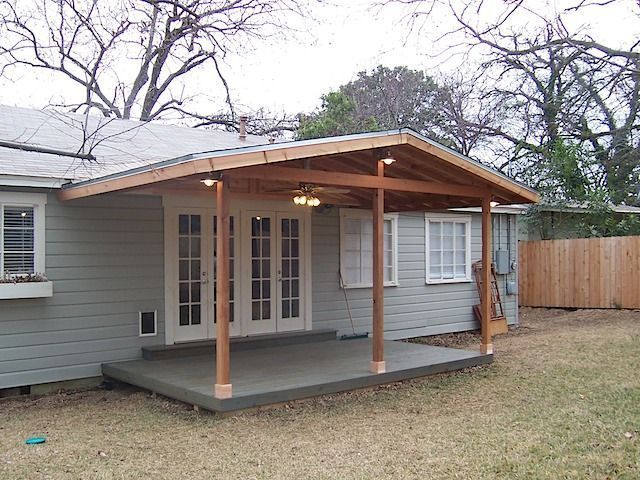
(300, 199)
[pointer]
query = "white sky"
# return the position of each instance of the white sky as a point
(290, 74)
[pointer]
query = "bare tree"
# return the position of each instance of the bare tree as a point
(134, 58)
(564, 93)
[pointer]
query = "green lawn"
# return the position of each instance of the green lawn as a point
(562, 400)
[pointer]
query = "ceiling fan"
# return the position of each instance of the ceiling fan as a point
(307, 193)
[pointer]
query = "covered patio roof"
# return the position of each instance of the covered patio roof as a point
(426, 175)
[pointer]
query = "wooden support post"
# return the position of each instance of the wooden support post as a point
(222, 387)
(378, 363)
(486, 345)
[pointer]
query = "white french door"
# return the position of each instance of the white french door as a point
(267, 272)
(275, 269)
(196, 279)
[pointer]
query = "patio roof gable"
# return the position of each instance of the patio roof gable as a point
(420, 159)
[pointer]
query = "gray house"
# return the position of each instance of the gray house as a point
(121, 218)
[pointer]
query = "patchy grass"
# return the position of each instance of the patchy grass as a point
(562, 400)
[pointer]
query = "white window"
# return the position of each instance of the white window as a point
(356, 248)
(21, 233)
(448, 248)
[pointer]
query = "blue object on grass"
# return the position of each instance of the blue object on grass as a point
(35, 440)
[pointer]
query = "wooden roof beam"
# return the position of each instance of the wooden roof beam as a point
(340, 179)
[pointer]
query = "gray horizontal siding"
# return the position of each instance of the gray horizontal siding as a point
(411, 309)
(105, 258)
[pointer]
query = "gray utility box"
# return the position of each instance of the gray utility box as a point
(502, 262)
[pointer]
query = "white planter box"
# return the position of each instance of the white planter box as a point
(26, 290)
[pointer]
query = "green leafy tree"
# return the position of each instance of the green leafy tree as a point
(383, 99)
(337, 116)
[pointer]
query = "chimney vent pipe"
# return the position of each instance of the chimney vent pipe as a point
(242, 135)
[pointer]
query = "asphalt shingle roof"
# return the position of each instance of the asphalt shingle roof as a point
(118, 145)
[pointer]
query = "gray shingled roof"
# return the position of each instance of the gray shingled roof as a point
(120, 145)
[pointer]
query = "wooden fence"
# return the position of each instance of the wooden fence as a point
(580, 273)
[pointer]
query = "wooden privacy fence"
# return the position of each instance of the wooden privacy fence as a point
(580, 273)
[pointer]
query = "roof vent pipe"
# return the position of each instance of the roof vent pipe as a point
(243, 128)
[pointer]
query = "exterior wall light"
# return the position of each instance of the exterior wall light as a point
(387, 158)
(212, 179)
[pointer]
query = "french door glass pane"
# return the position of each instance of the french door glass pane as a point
(189, 269)
(232, 251)
(289, 267)
(260, 268)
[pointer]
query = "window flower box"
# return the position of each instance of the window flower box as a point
(29, 286)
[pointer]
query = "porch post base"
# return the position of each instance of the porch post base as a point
(486, 348)
(222, 391)
(378, 367)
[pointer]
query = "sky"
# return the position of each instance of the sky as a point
(290, 73)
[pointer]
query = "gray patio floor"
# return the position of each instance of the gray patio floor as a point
(283, 373)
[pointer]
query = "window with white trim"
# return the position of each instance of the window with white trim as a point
(356, 248)
(21, 233)
(448, 248)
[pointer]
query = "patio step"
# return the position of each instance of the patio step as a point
(191, 349)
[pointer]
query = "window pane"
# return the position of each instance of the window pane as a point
(388, 274)
(447, 271)
(184, 292)
(195, 246)
(388, 259)
(183, 248)
(461, 271)
(18, 240)
(387, 227)
(295, 308)
(19, 263)
(195, 224)
(434, 258)
(447, 228)
(184, 315)
(195, 314)
(184, 270)
(388, 242)
(435, 272)
(461, 228)
(461, 243)
(460, 257)
(183, 225)
(18, 217)
(195, 291)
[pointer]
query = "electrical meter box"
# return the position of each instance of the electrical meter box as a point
(502, 262)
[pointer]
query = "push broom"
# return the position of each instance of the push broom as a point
(353, 335)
